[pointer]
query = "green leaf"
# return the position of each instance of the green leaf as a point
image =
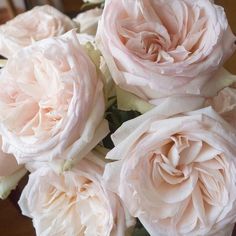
(116, 118)
(140, 232)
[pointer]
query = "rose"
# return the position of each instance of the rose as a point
(51, 101)
(74, 202)
(176, 169)
(39, 23)
(159, 48)
(10, 173)
(88, 21)
(225, 104)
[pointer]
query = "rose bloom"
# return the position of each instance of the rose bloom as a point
(158, 48)
(39, 23)
(88, 21)
(74, 203)
(51, 101)
(176, 169)
(225, 104)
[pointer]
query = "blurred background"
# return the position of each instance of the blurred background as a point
(12, 223)
(10, 8)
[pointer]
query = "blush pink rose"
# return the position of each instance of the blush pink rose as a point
(51, 101)
(39, 23)
(176, 170)
(158, 48)
(225, 104)
(73, 203)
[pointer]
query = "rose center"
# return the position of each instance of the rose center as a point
(163, 36)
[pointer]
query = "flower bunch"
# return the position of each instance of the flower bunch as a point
(124, 116)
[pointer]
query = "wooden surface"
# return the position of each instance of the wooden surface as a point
(12, 223)
(230, 9)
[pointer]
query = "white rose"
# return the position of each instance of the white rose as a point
(157, 48)
(176, 170)
(75, 202)
(51, 101)
(37, 24)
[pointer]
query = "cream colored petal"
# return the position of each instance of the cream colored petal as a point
(8, 183)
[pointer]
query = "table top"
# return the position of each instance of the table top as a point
(230, 9)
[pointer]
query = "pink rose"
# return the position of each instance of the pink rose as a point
(39, 23)
(157, 48)
(88, 21)
(75, 202)
(176, 170)
(51, 101)
(225, 104)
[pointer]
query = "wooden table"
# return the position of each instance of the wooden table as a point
(230, 9)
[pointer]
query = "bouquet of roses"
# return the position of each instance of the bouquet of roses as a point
(124, 118)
